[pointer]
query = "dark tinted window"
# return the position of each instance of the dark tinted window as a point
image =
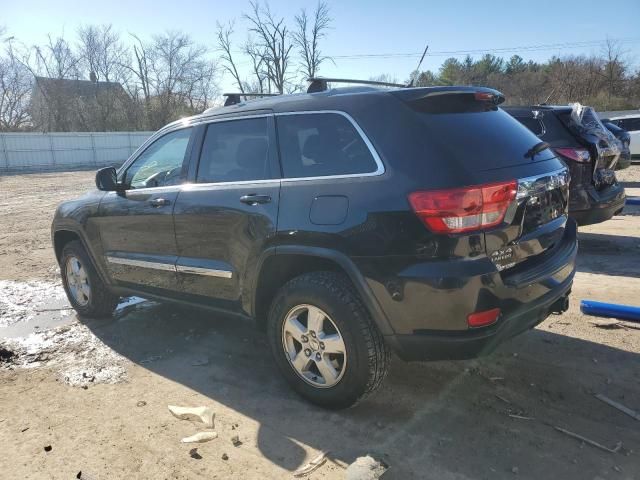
(236, 150)
(630, 124)
(161, 162)
(321, 144)
(532, 124)
(478, 140)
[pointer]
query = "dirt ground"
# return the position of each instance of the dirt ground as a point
(97, 392)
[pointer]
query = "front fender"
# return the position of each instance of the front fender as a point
(75, 217)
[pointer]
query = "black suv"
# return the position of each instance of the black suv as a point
(590, 151)
(348, 223)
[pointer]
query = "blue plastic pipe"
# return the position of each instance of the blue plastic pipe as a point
(601, 309)
(632, 201)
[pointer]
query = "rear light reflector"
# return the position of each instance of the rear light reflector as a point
(482, 319)
(580, 155)
(464, 209)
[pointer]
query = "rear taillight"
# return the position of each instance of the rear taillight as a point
(464, 209)
(580, 155)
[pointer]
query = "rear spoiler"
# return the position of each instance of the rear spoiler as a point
(481, 94)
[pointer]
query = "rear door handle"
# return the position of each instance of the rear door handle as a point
(253, 199)
(159, 202)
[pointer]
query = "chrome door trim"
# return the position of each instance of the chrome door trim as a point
(204, 271)
(170, 267)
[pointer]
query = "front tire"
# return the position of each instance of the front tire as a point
(324, 341)
(86, 291)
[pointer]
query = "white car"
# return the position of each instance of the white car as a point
(630, 123)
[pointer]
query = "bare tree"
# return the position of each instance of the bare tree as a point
(258, 69)
(307, 38)
(174, 74)
(102, 52)
(141, 69)
(15, 93)
(103, 59)
(274, 39)
(56, 58)
(223, 35)
(614, 67)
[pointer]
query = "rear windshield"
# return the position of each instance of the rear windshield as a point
(484, 139)
(532, 124)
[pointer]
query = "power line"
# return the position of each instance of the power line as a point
(526, 48)
(453, 53)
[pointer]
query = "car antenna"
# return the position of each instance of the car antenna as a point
(546, 100)
(419, 63)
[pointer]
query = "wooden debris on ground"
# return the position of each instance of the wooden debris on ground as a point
(586, 440)
(312, 465)
(619, 406)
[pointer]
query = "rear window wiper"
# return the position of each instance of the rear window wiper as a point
(537, 148)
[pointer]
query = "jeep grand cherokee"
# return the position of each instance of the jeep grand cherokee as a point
(347, 222)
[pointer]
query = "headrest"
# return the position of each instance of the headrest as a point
(313, 148)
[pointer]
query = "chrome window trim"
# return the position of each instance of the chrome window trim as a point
(180, 125)
(190, 187)
(379, 165)
(380, 169)
(211, 272)
(559, 178)
(170, 267)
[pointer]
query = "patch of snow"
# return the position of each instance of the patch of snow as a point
(73, 351)
(129, 302)
(19, 301)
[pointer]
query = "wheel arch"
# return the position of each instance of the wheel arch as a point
(61, 238)
(280, 264)
(67, 233)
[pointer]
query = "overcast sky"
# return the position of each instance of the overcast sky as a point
(360, 28)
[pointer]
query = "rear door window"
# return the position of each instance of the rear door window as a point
(322, 144)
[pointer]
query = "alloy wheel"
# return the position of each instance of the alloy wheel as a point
(314, 346)
(77, 281)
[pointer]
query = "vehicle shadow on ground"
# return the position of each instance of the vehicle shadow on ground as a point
(424, 418)
(630, 184)
(615, 255)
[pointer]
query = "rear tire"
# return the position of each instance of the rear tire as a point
(345, 325)
(86, 291)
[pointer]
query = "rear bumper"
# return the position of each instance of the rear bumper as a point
(589, 206)
(427, 305)
(426, 345)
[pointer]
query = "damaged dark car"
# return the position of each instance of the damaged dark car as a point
(590, 151)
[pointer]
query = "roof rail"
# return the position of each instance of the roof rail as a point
(234, 98)
(319, 84)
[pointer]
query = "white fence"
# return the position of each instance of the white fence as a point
(30, 152)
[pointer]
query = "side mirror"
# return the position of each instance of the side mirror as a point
(106, 179)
